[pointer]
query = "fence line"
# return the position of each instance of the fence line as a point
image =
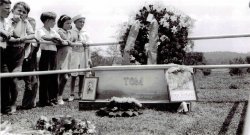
(76, 44)
(20, 74)
(221, 66)
(115, 43)
(219, 37)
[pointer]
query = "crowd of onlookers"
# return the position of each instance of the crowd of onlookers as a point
(58, 54)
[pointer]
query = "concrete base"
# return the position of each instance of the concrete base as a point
(161, 105)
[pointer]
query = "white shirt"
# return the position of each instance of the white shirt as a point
(79, 36)
(3, 26)
(42, 32)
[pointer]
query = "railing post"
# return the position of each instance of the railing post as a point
(247, 120)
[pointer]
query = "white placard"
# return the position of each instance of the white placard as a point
(181, 89)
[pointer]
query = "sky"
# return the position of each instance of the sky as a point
(212, 17)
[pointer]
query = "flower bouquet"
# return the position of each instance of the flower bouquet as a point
(156, 35)
(121, 107)
(65, 126)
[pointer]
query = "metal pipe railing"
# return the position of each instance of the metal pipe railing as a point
(218, 37)
(221, 66)
(115, 43)
(19, 74)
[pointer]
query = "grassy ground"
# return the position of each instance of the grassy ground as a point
(219, 110)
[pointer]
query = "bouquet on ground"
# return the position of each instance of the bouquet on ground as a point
(65, 125)
(121, 107)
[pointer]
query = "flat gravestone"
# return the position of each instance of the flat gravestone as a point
(145, 82)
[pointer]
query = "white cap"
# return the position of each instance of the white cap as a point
(77, 17)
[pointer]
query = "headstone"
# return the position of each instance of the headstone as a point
(145, 82)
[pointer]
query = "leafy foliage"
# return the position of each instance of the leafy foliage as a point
(236, 71)
(197, 58)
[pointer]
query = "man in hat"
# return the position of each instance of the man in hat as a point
(80, 54)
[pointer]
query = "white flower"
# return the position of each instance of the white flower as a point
(174, 29)
(182, 24)
(158, 43)
(47, 125)
(166, 25)
(182, 18)
(162, 21)
(143, 26)
(166, 16)
(91, 131)
(137, 63)
(132, 57)
(173, 18)
(163, 38)
(188, 24)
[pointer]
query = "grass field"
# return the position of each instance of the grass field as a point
(218, 111)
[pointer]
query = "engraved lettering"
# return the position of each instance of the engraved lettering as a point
(126, 80)
(133, 81)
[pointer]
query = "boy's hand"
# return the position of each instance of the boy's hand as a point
(21, 40)
(16, 18)
(5, 35)
(84, 43)
(57, 40)
(90, 63)
(65, 42)
(37, 40)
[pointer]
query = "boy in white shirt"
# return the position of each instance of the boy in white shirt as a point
(48, 88)
(20, 30)
(4, 36)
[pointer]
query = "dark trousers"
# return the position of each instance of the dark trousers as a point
(31, 82)
(48, 88)
(4, 83)
(14, 60)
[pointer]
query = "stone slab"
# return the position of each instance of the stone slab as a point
(142, 83)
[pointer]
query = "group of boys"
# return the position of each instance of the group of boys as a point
(17, 56)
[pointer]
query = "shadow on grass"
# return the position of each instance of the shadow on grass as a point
(228, 119)
(242, 119)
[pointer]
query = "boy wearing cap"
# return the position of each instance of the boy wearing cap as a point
(80, 55)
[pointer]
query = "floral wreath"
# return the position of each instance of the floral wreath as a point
(171, 35)
(121, 107)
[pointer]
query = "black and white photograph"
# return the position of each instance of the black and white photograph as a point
(90, 86)
(164, 67)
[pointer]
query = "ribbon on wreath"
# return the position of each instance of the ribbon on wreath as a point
(133, 33)
(151, 46)
(130, 43)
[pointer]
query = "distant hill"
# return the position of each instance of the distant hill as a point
(223, 57)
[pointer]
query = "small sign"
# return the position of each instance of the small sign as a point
(181, 86)
(89, 90)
